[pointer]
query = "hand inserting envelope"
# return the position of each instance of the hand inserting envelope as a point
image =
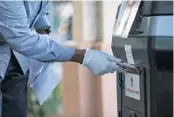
(43, 79)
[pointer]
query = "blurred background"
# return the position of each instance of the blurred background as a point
(80, 24)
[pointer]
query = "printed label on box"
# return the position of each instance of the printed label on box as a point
(132, 85)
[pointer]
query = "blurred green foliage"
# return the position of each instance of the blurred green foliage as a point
(49, 108)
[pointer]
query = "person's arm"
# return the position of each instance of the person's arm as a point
(43, 25)
(43, 22)
(14, 27)
(78, 56)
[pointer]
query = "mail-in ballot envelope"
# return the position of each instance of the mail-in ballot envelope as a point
(43, 78)
(126, 17)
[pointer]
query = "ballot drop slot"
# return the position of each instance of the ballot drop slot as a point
(149, 47)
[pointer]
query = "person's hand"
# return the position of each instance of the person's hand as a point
(100, 63)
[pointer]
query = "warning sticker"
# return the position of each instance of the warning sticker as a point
(132, 86)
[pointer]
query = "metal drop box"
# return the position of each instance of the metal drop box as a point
(151, 44)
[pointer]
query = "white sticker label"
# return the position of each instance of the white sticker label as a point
(129, 56)
(132, 86)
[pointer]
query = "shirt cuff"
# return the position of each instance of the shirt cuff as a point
(64, 53)
(42, 22)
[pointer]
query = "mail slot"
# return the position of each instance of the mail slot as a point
(148, 93)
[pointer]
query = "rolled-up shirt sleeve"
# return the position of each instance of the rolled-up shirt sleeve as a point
(43, 20)
(14, 27)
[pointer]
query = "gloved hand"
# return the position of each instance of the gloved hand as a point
(100, 63)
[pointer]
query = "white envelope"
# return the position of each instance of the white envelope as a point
(43, 79)
(125, 19)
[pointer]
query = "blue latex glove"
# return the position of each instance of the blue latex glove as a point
(101, 63)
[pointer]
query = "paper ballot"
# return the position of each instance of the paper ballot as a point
(43, 79)
(126, 17)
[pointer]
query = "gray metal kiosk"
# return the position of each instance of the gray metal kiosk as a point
(151, 43)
